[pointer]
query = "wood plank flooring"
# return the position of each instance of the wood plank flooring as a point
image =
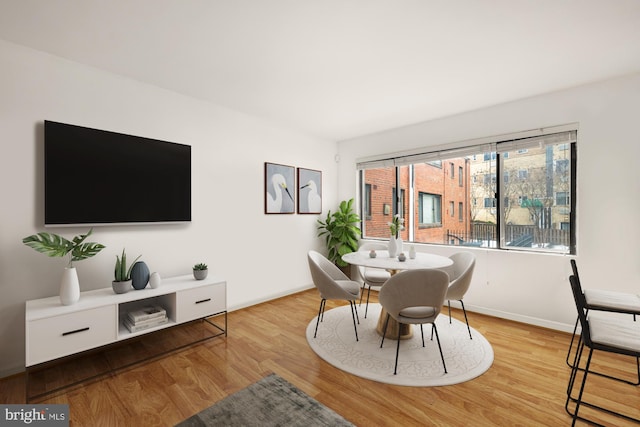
(526, 386)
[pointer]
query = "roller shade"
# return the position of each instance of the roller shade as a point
(502, 143)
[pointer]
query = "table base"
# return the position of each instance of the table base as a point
(406, 331)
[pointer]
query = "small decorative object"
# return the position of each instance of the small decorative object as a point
(395, 241)
(402, 257)
(139, 275)
(412, 252)
(155, 280)
(122, 274)
(77, 249)
(200, 271)
(373, 253)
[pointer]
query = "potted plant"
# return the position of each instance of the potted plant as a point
(341, 232)
(200, 271)
(122, 274)
(77, 249)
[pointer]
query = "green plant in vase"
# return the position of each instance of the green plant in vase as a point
(200, 271)
(341, 232)
(77, 249)
(122, 274)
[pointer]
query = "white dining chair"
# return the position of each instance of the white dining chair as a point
(371, 277)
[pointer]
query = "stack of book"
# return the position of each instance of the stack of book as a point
(145, 317)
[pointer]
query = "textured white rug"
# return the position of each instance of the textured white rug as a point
(417, 366)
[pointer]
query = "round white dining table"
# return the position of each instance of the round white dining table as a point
(393, 265)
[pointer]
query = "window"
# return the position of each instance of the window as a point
(562, 198)
(562, 166)
(430, 209)
(367, 201)
(511, 202)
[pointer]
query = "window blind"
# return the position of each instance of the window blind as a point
(502, 143)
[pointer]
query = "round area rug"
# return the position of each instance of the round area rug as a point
(417, 366)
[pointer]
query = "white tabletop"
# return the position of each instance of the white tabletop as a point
(382, 260)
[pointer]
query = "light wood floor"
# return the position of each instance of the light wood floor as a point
(525, 386)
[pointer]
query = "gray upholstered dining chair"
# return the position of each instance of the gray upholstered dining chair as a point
(414, 297)
(460, 274)
(371, 277)
(332, 284)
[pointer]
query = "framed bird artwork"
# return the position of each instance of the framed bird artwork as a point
(279, 182)
(309, 191)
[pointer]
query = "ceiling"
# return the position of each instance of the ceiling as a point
(339, 69)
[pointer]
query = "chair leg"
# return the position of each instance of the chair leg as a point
(578, 400)
(320, 313)
(384, 332)
(439, 347)
(602, 374)
(366, 308)
(422, 333)
(354, 314)
(395, 369)
(573, 336)
(362, 292)
(449, 305)
(572, 376)
(356, 310)
(584, 380)
(465, 319)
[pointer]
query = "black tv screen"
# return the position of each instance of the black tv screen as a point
(97, 177)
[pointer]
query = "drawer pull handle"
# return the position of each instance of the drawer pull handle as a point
(203, 300)
(75, 332)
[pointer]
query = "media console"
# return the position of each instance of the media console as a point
(55, 332)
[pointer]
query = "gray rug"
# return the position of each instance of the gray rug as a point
(272, 401)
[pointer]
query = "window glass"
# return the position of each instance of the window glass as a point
(539, 199)
(516, 195)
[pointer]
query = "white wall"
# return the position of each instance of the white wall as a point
(262, 256)
(533, 287)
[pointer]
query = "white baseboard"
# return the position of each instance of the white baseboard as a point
(269, 297)
(563, 327)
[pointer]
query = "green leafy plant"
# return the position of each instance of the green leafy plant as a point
(54, 245)
(122, 274)
(200, 266)
(341, 232)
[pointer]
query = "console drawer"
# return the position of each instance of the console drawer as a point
(200, 302)
(58, 336)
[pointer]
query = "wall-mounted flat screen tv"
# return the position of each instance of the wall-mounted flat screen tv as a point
(97, 177)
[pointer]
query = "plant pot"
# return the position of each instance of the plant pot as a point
(395, 246)
(200, 274)
(121, 287)
(69, 286)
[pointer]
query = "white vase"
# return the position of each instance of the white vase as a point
(395, 246)
(69, 286)
(412, 252)
(155, 280)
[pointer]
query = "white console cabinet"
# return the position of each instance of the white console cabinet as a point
(54, 330)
